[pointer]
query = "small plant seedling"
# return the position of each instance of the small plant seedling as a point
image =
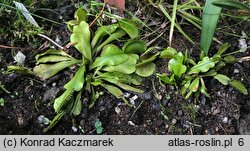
(190, 75)
(98, 127)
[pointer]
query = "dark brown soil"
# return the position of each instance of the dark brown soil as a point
(161, 110)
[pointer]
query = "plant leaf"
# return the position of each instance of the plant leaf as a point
(145, 70)
(119, 4)
(134, 46)
(76, 83)
(113, 90)
(111, 49)
(101, 32)
(26, 13)
(222, 79)
(210, 18)
(202, 66)
(194, 86)
(168, 53)
(45, 71)
(114, 36)
(223, 48)
(238, 86)
(53, 52)
(76, 110)
(185, 86)
(203, 88)
(129, 88)
(52, 58)
(127, 67)
(231, 4)
(81, 39)
(110, 60)
(63, 100)
(130, 27)
(55, 121)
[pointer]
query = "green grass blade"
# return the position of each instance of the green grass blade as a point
(210, 18)
(172, 22)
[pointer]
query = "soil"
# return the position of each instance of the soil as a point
(160, 110)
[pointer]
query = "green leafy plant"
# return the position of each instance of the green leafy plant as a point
(98, 127)
(103, 63)
(190, 75)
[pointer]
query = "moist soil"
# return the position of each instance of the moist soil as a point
(160, 110)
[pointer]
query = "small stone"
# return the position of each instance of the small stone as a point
(20, 57)
(43, 120)
(156, 107)
(165, 102)
(117, 110)
(74, 129)
(132, 100)
(54, 84)
(180, 112)
(167, 126)
(236, 71)
(225, 120)
(158, 96)
(216, 111)
(174, 121)
(131, 123)
(145, 96)
(126, 95)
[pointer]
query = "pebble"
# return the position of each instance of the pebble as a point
(180, 112)
(216, 111)
(145, 96)
(131, 123)
(165, 102)
(117, 110)
(74, 129)
(156, 107)
(127, 95)
(236, 71)
(225, 120)
(20, 57)
(158, 96)
(54, 84)
(174, 121)
(132, 100)
(43, 120)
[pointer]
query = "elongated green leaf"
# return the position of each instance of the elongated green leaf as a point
(45, 71)
(145, 70)
(76, 83)
(76, 110)
(194, 86)
(202, 66)
(63, 100)
(113, 90)
(134, 47)
(223, 48)
(52, 58)
(130, 27)
(168, 53)
(231, 4)
(222, 79)
(114, 36)
(81, 39)
(20, 70)
(172, 22)
(55, 121)
(53, 52)
(210, 18)
(165, 78)
(185, 86)
(203, 88)
(238, 86)
(110, 60)
(110, 50)
(129, 88)
(81, 15)
(145, 61)
(101, 32)
(230, 59)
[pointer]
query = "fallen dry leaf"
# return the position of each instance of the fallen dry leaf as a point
(119, 4)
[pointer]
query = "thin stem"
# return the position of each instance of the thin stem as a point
(98, 16)
(55, 43)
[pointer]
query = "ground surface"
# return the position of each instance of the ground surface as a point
(160, 110)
